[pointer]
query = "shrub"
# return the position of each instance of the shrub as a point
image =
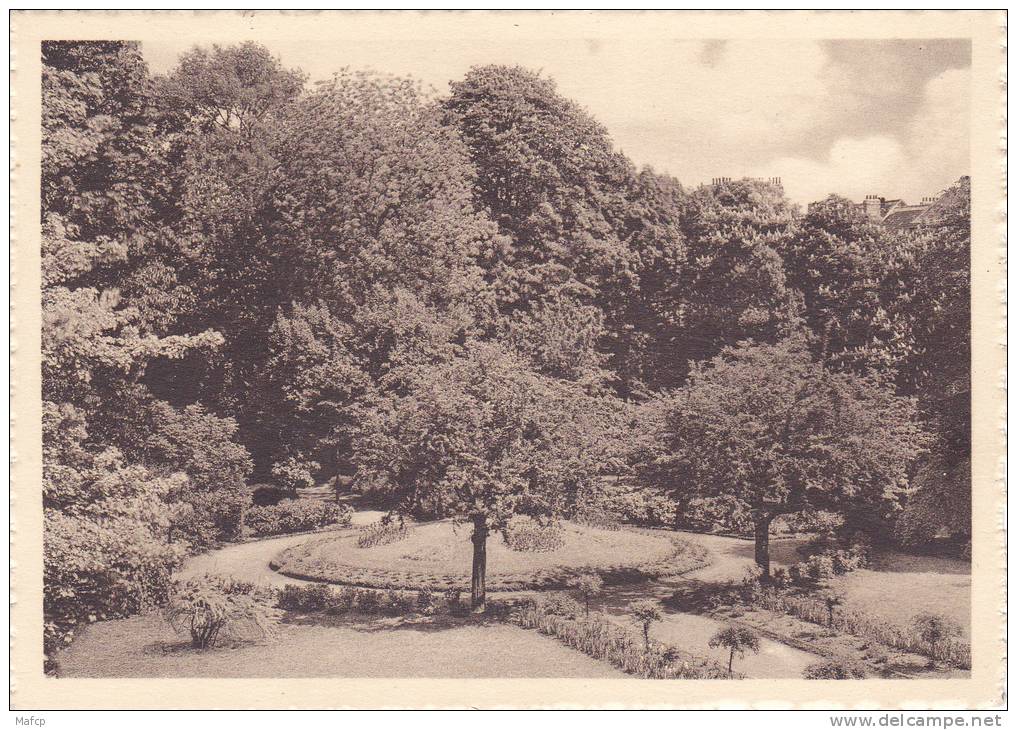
(527, 535)
(781, 577)
(601, 639)
(310, 598)
(819, 567)
(213, 517)
(453, 600)
(213, 608)
(382, 532)
(103, 568)
(559, 604)
(598, 517)
(934, 629)
(833, 669)
(425, 602)
(296, 515)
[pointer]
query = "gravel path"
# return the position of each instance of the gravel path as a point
(249, 561)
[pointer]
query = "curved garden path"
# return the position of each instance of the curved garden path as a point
(249, 560)
(731, 557)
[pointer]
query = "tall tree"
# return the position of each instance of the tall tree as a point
(481, 438)
(771, 427)
(734, 285)
(108, 550)
(549, 178)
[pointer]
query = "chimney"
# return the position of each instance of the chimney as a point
(873, 208)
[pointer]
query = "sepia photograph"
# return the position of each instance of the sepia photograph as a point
(508, 355)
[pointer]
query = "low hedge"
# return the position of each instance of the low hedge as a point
(601, 639)
(342, 600)
(294, 562)
(296, 515)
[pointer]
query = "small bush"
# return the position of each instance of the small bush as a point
(781, 577)
(559, 604)
(819, 567)
(425, 602)
(833, 669)
(935, 629)
(527, 535)
(215, 608)
(296, 515)
(309, 598)
(453, 600)
(598, 517)
(383, 532)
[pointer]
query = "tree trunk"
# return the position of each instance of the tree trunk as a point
(730, 662)
(763, 545)
(478, 592)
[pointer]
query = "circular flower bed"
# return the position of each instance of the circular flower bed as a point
(438, 556)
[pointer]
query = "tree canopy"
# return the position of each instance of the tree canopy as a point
(472, 303)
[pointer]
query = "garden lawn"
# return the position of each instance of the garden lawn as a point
(440, 553)
(896, 586)
(144, 646)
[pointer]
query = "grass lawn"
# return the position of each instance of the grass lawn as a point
(444, 552)
(898, 585)
(144, 646)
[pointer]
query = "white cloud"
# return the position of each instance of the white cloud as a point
(853, 168)
(933, 153)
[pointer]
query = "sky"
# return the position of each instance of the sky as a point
(858, 117)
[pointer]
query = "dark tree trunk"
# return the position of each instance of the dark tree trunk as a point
(763, 545)
(730, 662)
(478, 591)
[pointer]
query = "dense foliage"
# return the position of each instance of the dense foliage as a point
(474, 303)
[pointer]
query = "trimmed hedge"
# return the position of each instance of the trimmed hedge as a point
(296, 515)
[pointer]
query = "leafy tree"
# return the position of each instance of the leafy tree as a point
(560, 338)
(733, 286)
(769, 426)
(927, 295)
(834, 261)
(737, 640)
(646, 613)
(106, 253)
(588, 585)
(232, 88)
(548, 176)
(479, 439)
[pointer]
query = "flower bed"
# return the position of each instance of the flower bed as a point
(423, 560)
